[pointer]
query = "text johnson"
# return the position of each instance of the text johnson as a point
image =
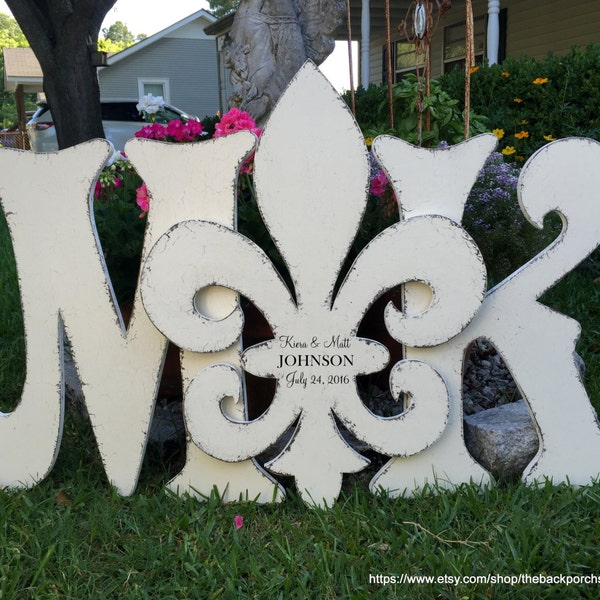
(316, 360)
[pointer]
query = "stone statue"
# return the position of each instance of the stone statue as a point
(270, 40)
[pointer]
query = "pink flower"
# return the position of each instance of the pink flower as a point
(98, 189)
(238, 521)
(194, 129)
(248, 165)
(155, 131)
(117, 182)
(379, 184)
(236, 120)
(176, 130)
(142, 200)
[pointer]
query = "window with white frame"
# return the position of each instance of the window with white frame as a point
(455, 44)
(156, 87)
(406, 59)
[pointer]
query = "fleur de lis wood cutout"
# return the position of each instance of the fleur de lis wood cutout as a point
(312, 204)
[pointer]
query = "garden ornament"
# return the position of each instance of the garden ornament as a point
(311, 193)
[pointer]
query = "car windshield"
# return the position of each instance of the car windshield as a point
(165, 114)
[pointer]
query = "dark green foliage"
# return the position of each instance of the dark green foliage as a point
(367, 103)
(208, 124)
(120, 228)
(12, 342)
(446, 123)
(556, 97)
(221, 8)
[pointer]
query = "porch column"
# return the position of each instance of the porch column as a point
(493, 31)
(20, 102)
(365, 42)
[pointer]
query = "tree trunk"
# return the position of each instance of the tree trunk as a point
(71, 88)
(61, 34)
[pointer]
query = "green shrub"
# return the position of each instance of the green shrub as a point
(12, 341)
(530, 102)
(120, 228)
(367, 102)
(445, 114)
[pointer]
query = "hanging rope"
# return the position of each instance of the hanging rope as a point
(469, 62)
(418, 28)
(350, 66)
(388, 42)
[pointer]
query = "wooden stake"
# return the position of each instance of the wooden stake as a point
(350, 66)
(469, 62)
(389, 62)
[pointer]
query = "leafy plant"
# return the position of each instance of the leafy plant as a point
(12, 341)
(367, 103)
(530, 102)
(424, 120)
(120, 228)
(122, 201)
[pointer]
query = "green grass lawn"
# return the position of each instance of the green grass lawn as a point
(73, 537)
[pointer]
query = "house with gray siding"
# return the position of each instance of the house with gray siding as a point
(178, 63)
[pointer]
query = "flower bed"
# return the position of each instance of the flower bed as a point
(122, 199)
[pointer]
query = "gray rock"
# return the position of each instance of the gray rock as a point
(503, 439)
(167, 424)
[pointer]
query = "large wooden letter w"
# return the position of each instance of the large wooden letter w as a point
(63, 283)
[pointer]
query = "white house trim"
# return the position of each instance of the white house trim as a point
(493, 31)
(161, 34)
(365, 43)
(142, 81)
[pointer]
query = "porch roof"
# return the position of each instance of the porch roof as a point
(21, 67)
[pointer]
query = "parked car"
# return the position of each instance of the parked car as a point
(121, 121)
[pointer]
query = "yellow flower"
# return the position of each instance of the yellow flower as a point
(523, 122)
(522, 134)
(549, 138)
(508, 150)
(505, 74)
(540, 80)
(499, 133)
(518, 100)
(369, 141)
(473, 70)
(520, 158)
